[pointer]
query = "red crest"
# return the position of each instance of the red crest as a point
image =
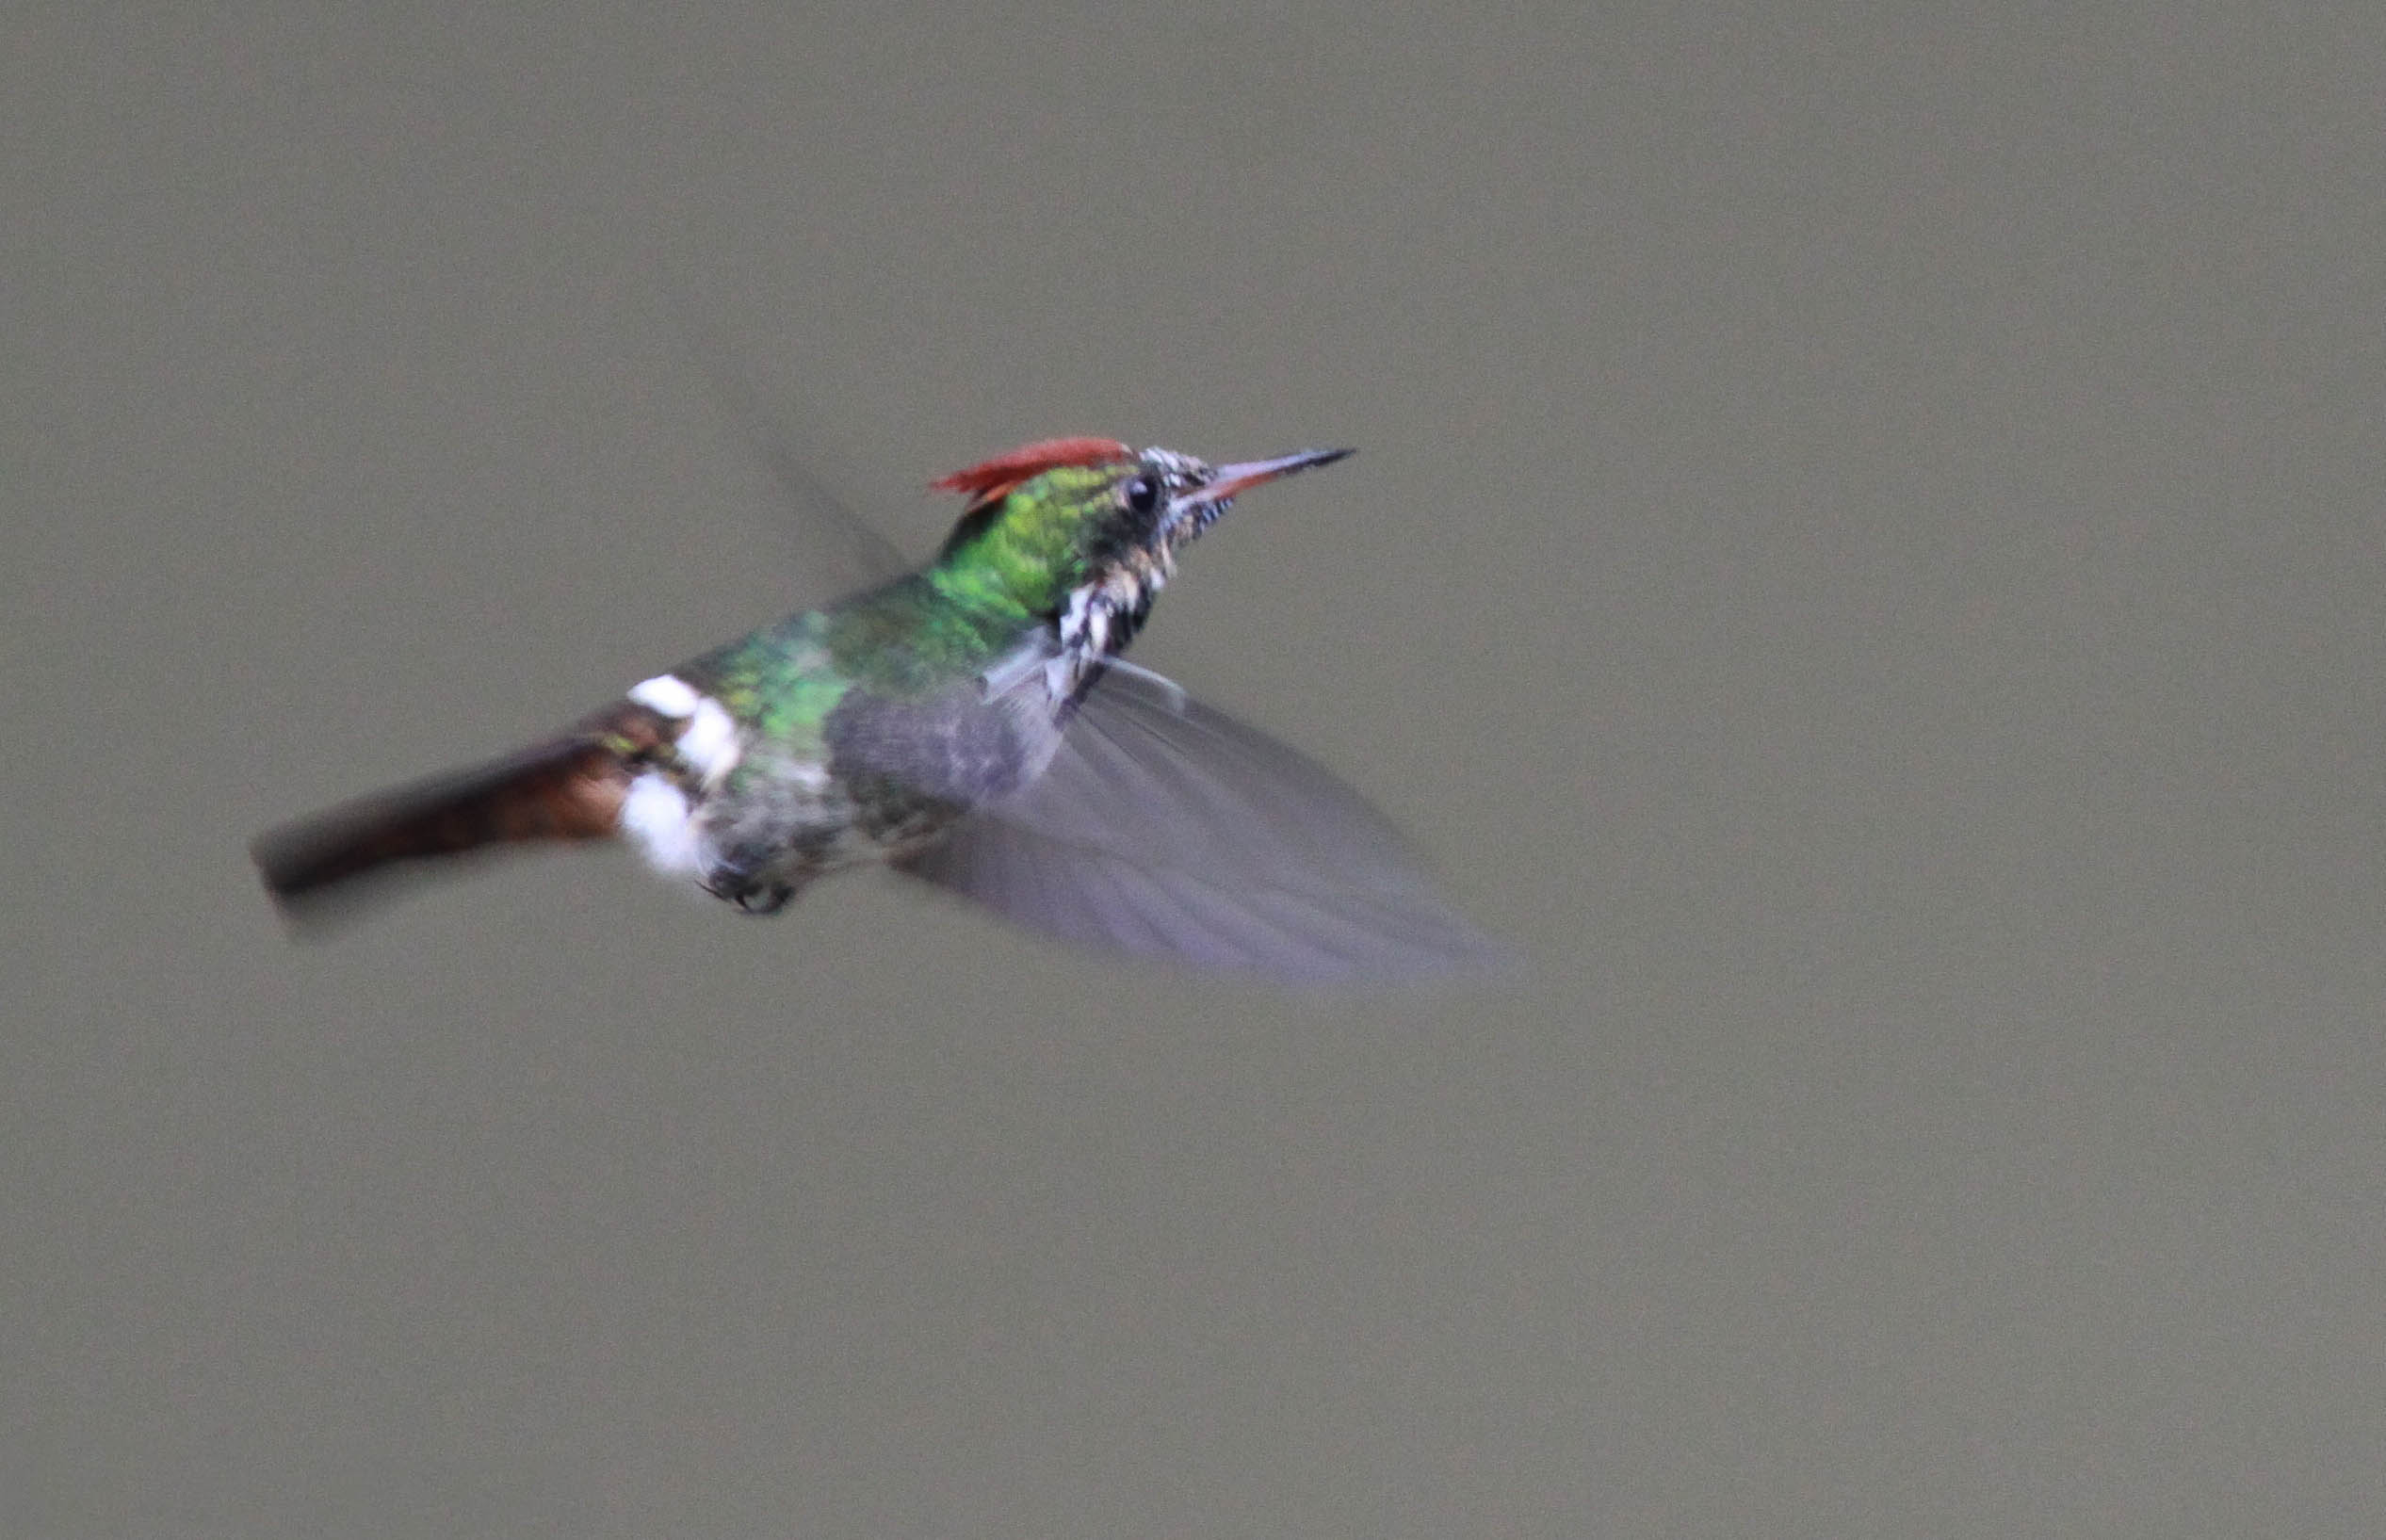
(991, 478)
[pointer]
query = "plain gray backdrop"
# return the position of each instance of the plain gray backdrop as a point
(1865, 564)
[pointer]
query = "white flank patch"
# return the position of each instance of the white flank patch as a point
(668, 693)
(709, 745)
(655, 815)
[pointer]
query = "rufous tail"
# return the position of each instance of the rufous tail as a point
(568, 789)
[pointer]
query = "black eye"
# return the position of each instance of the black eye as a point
(1142, 494)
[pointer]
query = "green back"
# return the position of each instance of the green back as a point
(1008, 566)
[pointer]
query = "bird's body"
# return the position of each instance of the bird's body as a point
(934, 722)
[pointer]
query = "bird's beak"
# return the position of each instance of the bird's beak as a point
(1231, 481)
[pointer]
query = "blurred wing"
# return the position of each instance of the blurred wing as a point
(1168, 829)
(838, 551)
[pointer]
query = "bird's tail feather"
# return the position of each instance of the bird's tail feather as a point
(568, 789)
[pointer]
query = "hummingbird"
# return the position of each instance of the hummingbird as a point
(974, 724)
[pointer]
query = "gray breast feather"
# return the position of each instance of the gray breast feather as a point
(956, 746)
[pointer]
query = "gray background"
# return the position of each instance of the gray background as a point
(1865, 563)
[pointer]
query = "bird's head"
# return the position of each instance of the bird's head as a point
(1063, 522)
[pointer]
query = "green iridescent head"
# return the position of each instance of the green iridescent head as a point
(1084, 507)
